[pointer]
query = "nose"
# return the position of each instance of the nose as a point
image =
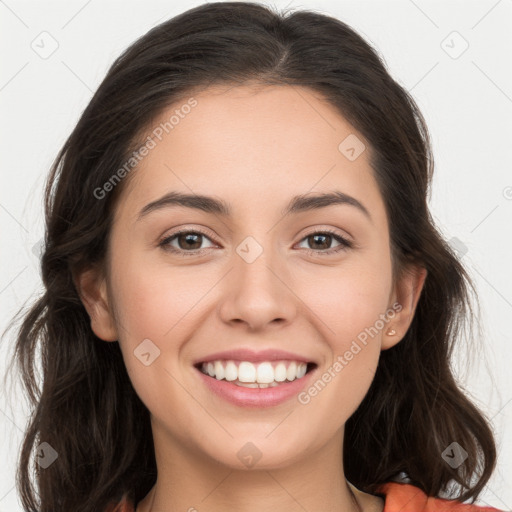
(258, 292)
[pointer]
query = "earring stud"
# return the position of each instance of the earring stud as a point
(391, 332)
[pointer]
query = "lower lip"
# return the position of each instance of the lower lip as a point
(256, 397)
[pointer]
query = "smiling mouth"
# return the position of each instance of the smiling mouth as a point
(263, 374)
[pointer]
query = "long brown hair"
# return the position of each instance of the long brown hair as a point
(86, 408)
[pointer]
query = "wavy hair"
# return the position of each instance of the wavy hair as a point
(85, 407)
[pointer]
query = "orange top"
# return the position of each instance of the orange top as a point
(399, 497)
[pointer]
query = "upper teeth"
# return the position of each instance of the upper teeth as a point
(264, 373)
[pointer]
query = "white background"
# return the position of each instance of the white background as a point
(467, 102)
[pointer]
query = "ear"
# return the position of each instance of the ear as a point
(406, 293)
(92, 289)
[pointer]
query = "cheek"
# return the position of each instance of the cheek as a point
(151, 310)
(351, 302)
(351, 311)
(158, 303)
(350, 298)
(153, 299)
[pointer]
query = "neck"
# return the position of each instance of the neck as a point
(148, 504)
(188, 480)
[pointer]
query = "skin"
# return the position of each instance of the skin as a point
(254, 148)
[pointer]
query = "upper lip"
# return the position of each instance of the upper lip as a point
(245, 354)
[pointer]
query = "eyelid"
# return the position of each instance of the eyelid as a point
(188, 229)
(331, 231)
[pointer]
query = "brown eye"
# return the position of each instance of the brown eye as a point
(320, 242)
(187, 242)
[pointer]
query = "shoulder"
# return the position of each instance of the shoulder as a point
(402, 497)
(125, 505)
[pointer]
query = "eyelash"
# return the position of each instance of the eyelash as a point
(344, 243)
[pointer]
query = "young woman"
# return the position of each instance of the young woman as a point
(248, 306)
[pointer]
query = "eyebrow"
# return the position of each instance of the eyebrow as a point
(209, 204)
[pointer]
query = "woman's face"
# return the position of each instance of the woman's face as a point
(255, 277)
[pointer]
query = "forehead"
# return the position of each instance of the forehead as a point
(253, 146)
